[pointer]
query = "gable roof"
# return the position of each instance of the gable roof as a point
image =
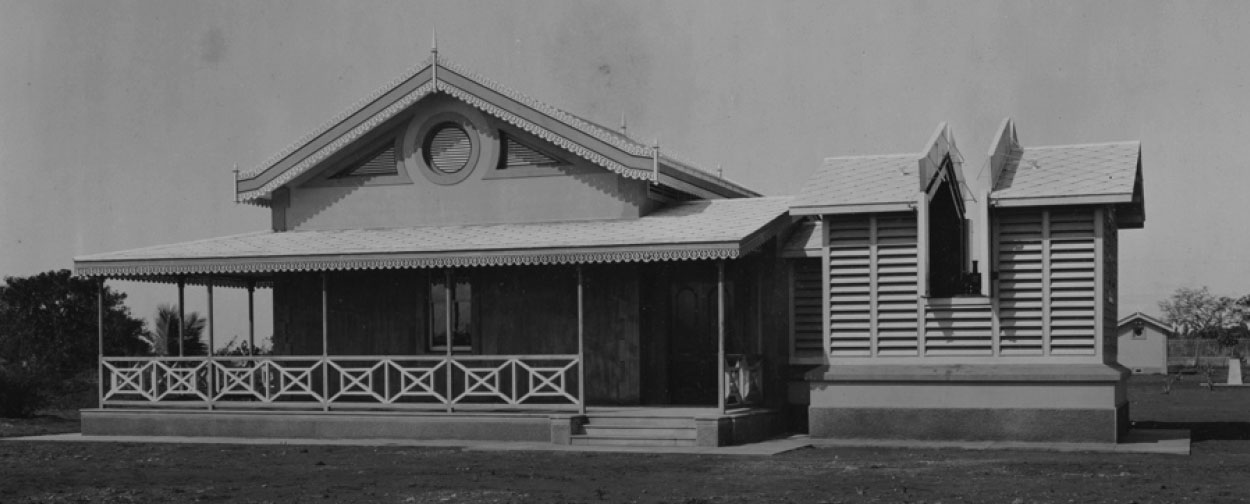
(888, 183)
(860, 184)
(1159, 324)
(1105, 170)
(706, 229)
(611, 150)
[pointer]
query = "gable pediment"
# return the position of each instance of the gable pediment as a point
(606, 149)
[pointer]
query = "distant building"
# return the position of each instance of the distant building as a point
(1144, 344)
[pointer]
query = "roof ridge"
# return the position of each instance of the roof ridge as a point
(872, 156)
(623, 142)
(325, 126)
(1096, 144)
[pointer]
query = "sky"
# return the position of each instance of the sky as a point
(120, 121)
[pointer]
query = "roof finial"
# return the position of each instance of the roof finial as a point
(655, 161)
(434, 57)
(720, 172)
(624, 127)
(236, 183)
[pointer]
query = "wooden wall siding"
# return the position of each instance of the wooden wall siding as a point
(376, 312)
(1047, 275)
(805, 306)
(850, 286)
(297, 314)
(894, 249)
(527, 310)
(1110, 293)
(613, 354)
(958, 330)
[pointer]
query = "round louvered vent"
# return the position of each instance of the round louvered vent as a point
(447, 148)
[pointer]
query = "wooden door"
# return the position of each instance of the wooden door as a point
(692, 345)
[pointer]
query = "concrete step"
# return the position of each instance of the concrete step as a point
(586, 440)
(637, 431)
(641, 421)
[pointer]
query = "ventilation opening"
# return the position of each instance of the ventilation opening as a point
(447, 148)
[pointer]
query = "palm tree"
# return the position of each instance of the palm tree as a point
(164, 339)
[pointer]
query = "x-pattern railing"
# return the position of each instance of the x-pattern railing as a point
(343, 381)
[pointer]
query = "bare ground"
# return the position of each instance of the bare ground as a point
(1218, 470)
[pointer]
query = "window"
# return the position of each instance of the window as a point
(949, 272)
(461, 313)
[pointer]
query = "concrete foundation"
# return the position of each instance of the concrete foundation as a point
(1052, 403)
(331, 425)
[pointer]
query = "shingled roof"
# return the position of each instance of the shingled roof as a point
(707, 229)
(1103, 173)
(860, 184)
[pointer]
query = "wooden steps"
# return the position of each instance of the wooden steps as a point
(627, 430)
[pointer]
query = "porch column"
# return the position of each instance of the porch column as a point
(720, 335)
(100, 336)
(251, 318)
(581, 346)
(325, 339)
(447, 325)
(208, 285)
(182, 284)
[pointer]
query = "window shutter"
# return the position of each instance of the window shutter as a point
(805, 292)
(519, 154)
(448, 149)
(850, 324)
(380, 163)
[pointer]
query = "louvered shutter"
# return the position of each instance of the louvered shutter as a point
(448, 149)
(807, 300)
(850, 324)
(379, 163)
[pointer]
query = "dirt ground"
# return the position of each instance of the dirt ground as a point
(1217, 471)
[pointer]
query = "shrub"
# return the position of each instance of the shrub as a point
(22, 392)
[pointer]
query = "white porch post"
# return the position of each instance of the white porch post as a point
(325, 340)
(182, 284)
(100, 336)
(448, 325)
(720, 335)
(251, 318)
(208, 285)
(581, 346)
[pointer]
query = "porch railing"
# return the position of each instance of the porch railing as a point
(344, 382)
(744, 380)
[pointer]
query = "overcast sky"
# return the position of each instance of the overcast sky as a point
(120, 121)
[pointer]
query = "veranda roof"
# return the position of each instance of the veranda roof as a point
(710, 229)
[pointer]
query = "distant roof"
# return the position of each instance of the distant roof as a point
(1159, 324)
(707, 229)
(861, 184)
(1105, 169)
(602, 146)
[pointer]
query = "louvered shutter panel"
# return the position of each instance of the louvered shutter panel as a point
(850, 324)
(807, 299)
(519, 154)
(896, 285)
(1020, 283)
(448, 149)
(1071, 276)
(380, 163)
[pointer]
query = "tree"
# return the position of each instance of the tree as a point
(164, 340)
(49, 334)
(1196, 313)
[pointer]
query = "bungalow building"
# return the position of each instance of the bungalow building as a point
(453, 259)
(1143, 345)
